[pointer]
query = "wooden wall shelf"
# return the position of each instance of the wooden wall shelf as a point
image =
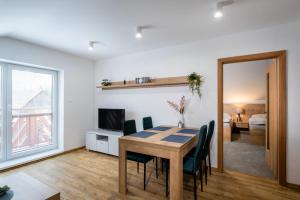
(155, 82)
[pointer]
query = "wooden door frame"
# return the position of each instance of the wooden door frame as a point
(280, 56)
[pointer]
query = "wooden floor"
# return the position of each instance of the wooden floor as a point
(255, 136)
(88, 175)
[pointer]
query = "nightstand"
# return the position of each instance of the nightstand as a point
(242, 124)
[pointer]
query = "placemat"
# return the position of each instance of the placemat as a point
(177, 138)
(188, 131)
(142, 134)
(161, 128)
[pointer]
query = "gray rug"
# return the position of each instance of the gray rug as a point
(246, 158)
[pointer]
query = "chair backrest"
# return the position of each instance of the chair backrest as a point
(200, 147)
(147, 123)
(210, 132)
(129, 127)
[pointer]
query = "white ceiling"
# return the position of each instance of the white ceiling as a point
(69, 25)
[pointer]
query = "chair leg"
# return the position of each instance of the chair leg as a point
(167, 180)
(195, 186)
(162, 165)
(138, 167)
(209, 164)
(156, 166)
(205, 170)
(201, 175)
(144, 176)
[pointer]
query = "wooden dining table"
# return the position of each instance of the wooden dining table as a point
(156, 143)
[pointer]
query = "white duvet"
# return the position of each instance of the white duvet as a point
(258, 119)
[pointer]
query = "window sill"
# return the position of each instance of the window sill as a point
(20, 161)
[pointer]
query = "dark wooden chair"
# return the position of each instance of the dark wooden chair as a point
(206, 155)
(147, 124)
(130, 128)
(192, 164)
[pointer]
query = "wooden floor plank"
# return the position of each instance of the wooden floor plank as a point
(87, 175)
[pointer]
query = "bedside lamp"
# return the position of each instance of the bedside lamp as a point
(239, 111)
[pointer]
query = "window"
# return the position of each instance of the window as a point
(30, 101)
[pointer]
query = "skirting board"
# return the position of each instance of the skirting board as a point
(293, 186)
(41, 159)
(288, 185)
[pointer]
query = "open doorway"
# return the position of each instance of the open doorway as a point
(252, 115)
(246, 96)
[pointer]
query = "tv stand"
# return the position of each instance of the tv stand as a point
(104, 141)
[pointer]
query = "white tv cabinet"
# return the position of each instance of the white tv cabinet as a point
(103, 141)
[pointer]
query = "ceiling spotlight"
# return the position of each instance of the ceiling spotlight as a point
(138, 33)
(218, 13)
(92, 45)
(219, 7)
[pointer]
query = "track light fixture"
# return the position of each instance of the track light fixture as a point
(219, 8)
(92, 45)
(138, 33)
(218, 11)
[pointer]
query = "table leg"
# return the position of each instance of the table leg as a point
(122, 168)
(176, 176)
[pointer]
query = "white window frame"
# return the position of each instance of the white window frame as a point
(3, 100)
(7, 114)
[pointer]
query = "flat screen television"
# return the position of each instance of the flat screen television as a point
(111, 119)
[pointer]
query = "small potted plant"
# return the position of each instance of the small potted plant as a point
(4, 190)
(195, 82)
(105, 82)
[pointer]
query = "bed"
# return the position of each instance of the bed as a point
(227, 127)
(258, 121)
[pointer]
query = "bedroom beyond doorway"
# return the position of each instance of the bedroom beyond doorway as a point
(245, 118)
(241, 123)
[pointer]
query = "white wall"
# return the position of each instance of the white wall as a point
(78, 84)
(245, 82)
(202, 57)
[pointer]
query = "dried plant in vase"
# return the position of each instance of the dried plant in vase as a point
(179, 108)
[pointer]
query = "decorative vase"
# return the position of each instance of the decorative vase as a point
(181, 121)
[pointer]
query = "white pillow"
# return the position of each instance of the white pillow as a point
(226, 116)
